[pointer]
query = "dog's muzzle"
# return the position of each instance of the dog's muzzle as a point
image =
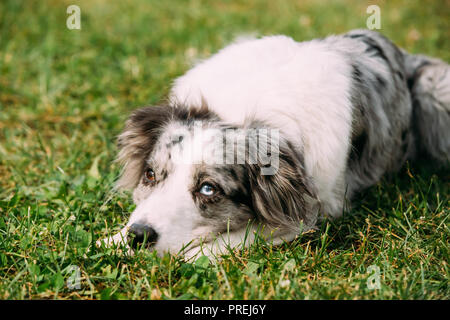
(141, 235)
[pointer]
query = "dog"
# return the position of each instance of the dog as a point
(269, 136)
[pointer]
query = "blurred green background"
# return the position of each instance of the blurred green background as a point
(64, 97)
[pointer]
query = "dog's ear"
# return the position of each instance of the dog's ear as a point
(142, 130)
(280, 196)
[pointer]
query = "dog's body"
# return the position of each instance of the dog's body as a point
(348, 109)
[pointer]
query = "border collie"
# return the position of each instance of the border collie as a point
(270, 135)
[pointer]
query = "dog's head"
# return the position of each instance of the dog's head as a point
(194, 177)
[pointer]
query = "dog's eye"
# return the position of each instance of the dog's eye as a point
(207, 190)
(149, 175)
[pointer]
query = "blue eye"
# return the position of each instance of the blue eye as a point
(207, 190)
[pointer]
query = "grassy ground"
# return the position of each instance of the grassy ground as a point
(64, 96)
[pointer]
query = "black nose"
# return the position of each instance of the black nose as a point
(141, 234)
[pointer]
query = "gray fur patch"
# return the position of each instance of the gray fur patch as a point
(396, 114)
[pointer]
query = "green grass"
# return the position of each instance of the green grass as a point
(64, 96)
